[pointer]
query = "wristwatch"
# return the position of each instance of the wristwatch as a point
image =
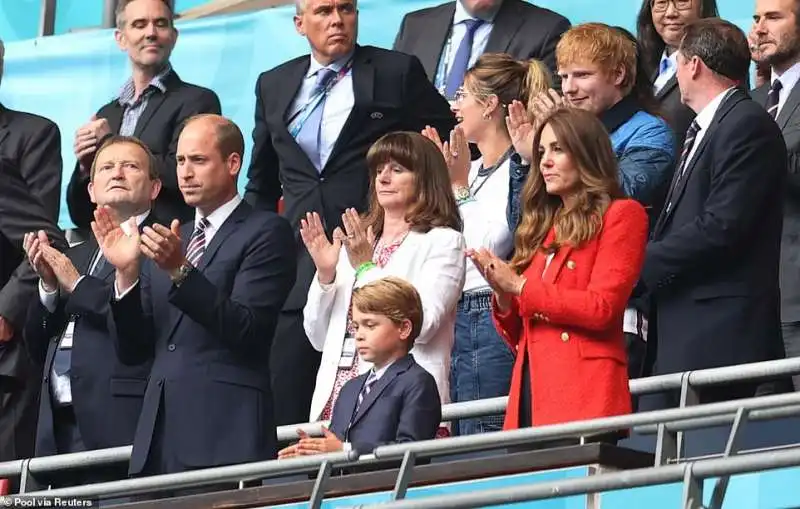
(462, 193)
(183, 273)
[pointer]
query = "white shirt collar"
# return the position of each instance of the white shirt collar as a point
(380, 372)
(672, 59)
(336, 65)
(139, 220)
(218, 217)
(462, 15)
(706, 115)
(789, 78)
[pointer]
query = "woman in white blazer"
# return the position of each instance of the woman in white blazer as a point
(412, 231)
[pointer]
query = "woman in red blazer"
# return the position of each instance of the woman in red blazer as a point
(559, 302)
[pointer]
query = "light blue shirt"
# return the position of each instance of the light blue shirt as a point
(336, 108)
(457, 33)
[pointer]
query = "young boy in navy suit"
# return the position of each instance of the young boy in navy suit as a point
(396, 400)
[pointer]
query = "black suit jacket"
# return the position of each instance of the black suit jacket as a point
(520, 29)
(208, 401)
(159, 128)
(391, 93)
(789, 123)
(712, 265)
(106, 394)
(678, 115)
(21, 211)
(403, 406)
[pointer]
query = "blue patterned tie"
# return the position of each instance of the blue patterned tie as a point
(308, 137)
(371, 379)
(461, 60)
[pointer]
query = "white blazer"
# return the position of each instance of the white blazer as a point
(435, 264)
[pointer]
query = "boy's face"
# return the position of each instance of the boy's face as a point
(378, 339)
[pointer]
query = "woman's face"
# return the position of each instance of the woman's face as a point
(561, 176)
(395, 186)
(670, 18)
(469, 113)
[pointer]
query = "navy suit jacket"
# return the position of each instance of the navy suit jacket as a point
(403, 406)
(106, 394)
(208, 401)
(712, 263)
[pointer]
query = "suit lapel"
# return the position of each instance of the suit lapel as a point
(114, 116)
(789, 107)
(554, 269)
(363, 93)
(286, 94)
(506, 25)
(668, 86)
(153, 103)
(399, 366)
(677, 189)
(4, 129)
(436, 33)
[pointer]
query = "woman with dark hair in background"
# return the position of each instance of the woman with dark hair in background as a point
(660, 26)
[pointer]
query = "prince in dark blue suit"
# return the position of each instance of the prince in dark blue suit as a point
(203, 305)
(395, 401)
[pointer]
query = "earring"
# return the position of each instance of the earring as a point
(486, 115)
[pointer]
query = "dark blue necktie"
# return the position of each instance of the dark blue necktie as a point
(461, 60)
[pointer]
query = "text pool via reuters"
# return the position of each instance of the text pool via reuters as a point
(20, 501)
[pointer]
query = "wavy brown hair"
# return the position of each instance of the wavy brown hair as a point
(584, 139)
(435, 205)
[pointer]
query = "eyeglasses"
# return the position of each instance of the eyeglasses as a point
(661, 6)
(459, 95)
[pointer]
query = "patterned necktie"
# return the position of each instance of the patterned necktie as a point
(309, 136)
(461, 60)
(197, 246)
(773, 97)
(371, 379)
(688, 143)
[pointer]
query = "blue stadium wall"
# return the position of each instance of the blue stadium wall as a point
(68, 77)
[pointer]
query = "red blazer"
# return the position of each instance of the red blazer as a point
(569, 323)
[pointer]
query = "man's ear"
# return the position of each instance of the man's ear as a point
(91, 192)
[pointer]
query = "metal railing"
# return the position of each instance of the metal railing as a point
(668, 426)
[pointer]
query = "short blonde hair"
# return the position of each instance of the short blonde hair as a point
(394, 298)
(601, 45)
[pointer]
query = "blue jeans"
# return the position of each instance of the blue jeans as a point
(481, 362)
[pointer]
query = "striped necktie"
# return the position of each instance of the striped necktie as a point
(773, 97)
(688, 143)
(197, 246)
(371, 379)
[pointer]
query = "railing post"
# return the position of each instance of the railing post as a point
(109, 13)
(689, 397)
(692, 489)
(404, 476)
(666, 446)
(731, 448)
(318, 493)
(47, 18)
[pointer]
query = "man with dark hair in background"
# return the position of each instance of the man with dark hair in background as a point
(152, 106)
(776, 47)
(712, 264)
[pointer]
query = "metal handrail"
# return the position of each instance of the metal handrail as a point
(688, 472)
(420, 449)
(476, 408)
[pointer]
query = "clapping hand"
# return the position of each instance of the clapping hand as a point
(456, 153)
(545, 103)
(359, 242)
(503, 279)
(32, 243)
(521, 129)
(65, 272)
(164, 246)
(324, 253)
(120, 249)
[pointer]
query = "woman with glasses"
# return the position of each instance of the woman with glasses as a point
(481, 361)
(660, 28)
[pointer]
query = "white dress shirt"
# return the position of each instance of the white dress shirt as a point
(336, 108)
(703, 120)
(459, 30)
(485, 224)
(218, 217)
(667, 68)
(788, 80)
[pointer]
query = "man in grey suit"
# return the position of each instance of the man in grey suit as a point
(775, 42)
(449, 38)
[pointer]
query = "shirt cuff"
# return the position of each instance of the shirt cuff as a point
(120, 296)
(48, 299)
(347, 447)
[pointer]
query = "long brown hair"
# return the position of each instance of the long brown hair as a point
(581, 136)
(435, 205)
